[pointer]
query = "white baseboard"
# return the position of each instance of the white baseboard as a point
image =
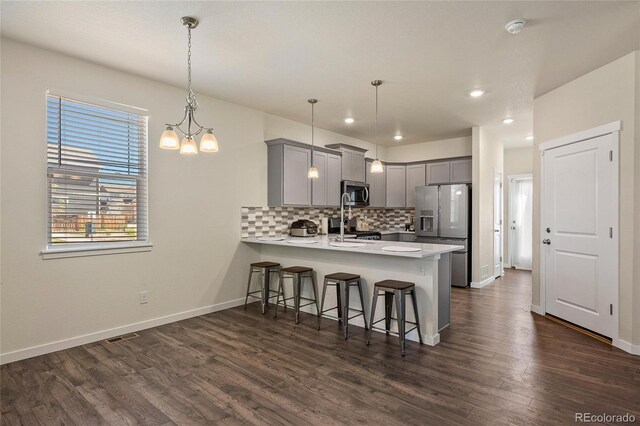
(537, 310)
(626, 346)
(482, 283)
(113, 332)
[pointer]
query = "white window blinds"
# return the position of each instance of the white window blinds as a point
(96, 173)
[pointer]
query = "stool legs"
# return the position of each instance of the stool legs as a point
(246, 299)
(373, 315)
(401, 313)
(415, 314)
(314, 287)
(344, 295)
(280, 291)
(364, 316)
(324, 294)
(388, 308)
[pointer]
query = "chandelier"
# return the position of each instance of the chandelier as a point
(169, 138)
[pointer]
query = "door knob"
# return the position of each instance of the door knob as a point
(546, 241)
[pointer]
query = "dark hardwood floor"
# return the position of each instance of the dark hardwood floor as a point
(498, 364)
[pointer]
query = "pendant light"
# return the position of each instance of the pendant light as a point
(169, 138)
(376, 166)
(313, 172)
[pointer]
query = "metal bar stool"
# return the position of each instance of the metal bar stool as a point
(399, 289)
(296, 273)
(266, 269)
(343, 282)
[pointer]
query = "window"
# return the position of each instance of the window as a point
(96, 173)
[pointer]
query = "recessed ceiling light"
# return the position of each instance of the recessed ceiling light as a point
(529, 138)
(507, 120)
(515, 26)
(476, 93)
(398, 137)
(349, 120)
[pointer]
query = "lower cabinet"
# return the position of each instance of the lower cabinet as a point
(390, 237)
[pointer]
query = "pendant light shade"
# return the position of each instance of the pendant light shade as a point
(209, 143)
(376, 166)
(313, 172)
(169, 139)
(188, 146)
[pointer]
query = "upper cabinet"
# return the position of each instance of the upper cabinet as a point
(353, 162)
(396, 185)
(452, 171)
(416, 176)
(287, 181)
(461, 171)
(377, 186)
(438, 173)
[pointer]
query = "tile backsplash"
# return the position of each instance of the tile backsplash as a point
(271, 221)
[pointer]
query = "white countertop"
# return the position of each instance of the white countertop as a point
(368, 246)
(396, 231)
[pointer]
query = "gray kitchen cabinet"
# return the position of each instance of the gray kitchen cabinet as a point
(390, 237)
(416, 176)
(334, 173)
(296, 184)
(319, 185)
(408, 238)
(396, 185)
(438, 173)
(377, 186)
(460, 171)
(353, 167)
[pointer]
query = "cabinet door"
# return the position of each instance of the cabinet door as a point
(377, 186)
(346, 165)
(396, 186)
(296, 186)
(416, 176)
(438, 173)
(461, 171)
(319, 185)
(390, 237)
(334, 170)
(357, 166)
(408, 238)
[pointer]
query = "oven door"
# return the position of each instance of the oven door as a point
(358, 193)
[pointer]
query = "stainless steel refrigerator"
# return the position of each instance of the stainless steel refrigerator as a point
(443, 216)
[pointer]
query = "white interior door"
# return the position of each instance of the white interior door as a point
(521, 222)
(497, 225)
(579, 232)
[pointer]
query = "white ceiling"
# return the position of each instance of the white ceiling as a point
(273, 56)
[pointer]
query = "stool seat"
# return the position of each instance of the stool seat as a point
(265, 264)
(297, 269)
(394, 285)
(342, 276)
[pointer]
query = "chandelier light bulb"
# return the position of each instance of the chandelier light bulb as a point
(209, 143)
(188, 147)
(169, 139)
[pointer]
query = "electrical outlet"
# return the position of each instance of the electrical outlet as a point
(143, 297)
(421, 266)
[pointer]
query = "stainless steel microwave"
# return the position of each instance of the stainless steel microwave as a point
(358, 193)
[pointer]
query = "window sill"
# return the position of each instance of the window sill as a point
(95, 250)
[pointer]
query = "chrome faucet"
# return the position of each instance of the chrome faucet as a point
(346, 194)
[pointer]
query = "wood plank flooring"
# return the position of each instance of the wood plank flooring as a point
(498, 364)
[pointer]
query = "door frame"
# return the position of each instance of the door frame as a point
(606, 129)
(510, 214)
(500, 215)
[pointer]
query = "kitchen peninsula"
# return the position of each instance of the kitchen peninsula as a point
(428, 267)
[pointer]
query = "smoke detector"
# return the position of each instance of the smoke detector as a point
(515, 26)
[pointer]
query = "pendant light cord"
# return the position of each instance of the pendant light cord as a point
(313, 128)
(376, 122)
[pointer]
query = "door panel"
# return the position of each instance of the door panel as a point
(579, 209)
(319, 185)
(333, 179)
(416, 176)
(454, 219)
(396, 186)
(296, 185)
(497, 225)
